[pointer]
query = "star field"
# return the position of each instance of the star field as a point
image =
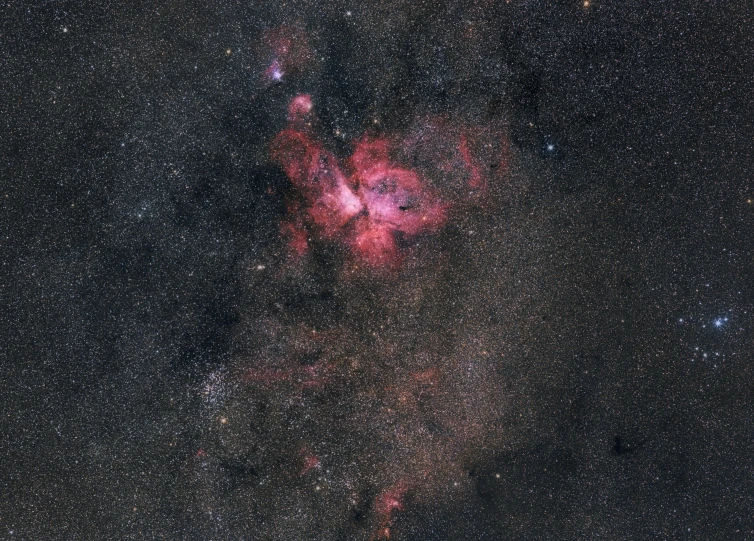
(378, 270)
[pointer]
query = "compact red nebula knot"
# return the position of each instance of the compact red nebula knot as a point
(309, 459)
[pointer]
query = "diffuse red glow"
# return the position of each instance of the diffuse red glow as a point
(464, 160)
(310, 460)
(386, 503)
(305, 377)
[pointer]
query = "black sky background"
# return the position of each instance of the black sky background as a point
(134, 184)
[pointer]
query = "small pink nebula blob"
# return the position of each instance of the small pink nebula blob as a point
(286, 51)
(299, 107)
(309, 459)
(386, 504)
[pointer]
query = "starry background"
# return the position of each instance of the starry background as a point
(570, 360)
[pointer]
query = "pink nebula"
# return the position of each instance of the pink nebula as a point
(309, 459)
(299, 107)
(364, 211)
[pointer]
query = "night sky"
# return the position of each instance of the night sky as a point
(368, 270)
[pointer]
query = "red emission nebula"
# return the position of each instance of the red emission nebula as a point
(370, 201)
(370, 205)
